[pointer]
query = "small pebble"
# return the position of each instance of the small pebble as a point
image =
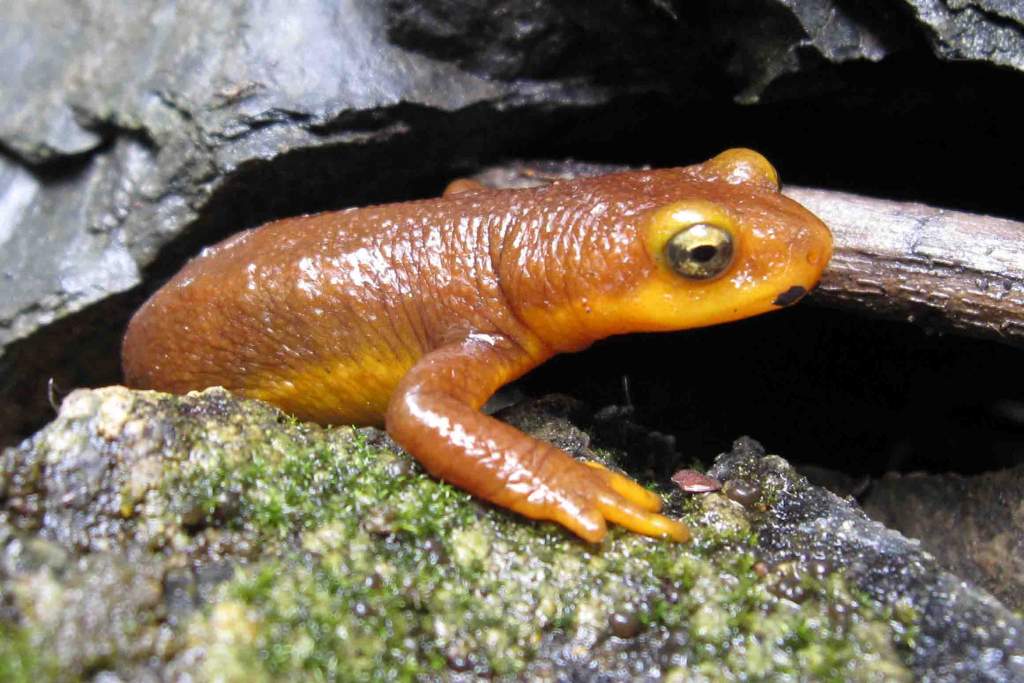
(744, 492)
(624, 624)
(819, 568)
(457, 658)
(179, 591)
(379, 522)
(671, 591)
(788, 586)
(400, 467)
(435, 551)
(193, 517)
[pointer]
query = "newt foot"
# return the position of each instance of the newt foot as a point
(597, 496)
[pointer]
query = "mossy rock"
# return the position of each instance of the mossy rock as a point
(151, 535)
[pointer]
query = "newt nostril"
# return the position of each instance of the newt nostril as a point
(790, 296)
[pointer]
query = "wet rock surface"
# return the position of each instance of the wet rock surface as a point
(992, 30)
(961, 631)
(972, 525)
(152, 536)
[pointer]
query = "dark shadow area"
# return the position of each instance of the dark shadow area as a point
(907, 129)
(817, 386)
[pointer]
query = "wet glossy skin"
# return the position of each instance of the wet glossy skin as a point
(411, 315)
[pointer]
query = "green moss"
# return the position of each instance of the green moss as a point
(903, 619)
(400, 575)
(351, 563)
(20, 660)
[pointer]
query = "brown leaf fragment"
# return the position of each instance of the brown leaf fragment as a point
(693, 481)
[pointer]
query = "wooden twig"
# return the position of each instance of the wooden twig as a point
(947, 271)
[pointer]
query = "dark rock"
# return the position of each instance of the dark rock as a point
(836, 481)
(654, 43)
(974, 526)
(120, 137)
(672, 44)
(963, 632)
(989, 30)
(36, 121)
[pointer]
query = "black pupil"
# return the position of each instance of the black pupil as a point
(703, 253)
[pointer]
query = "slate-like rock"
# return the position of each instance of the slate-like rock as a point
(972, 525)
(961, 631)
(181, 99)
(989, 30)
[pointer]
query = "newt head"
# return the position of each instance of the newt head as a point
(709, 243)
(736, 247)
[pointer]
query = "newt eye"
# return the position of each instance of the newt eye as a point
(700, 252)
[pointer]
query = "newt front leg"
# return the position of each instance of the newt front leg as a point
(434, 414)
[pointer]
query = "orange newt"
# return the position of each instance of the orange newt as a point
(412, 315)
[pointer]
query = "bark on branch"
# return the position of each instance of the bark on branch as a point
(947, 271)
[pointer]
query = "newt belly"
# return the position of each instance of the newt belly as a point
(412, 315)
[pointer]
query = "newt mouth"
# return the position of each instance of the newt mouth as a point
(790, 296)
